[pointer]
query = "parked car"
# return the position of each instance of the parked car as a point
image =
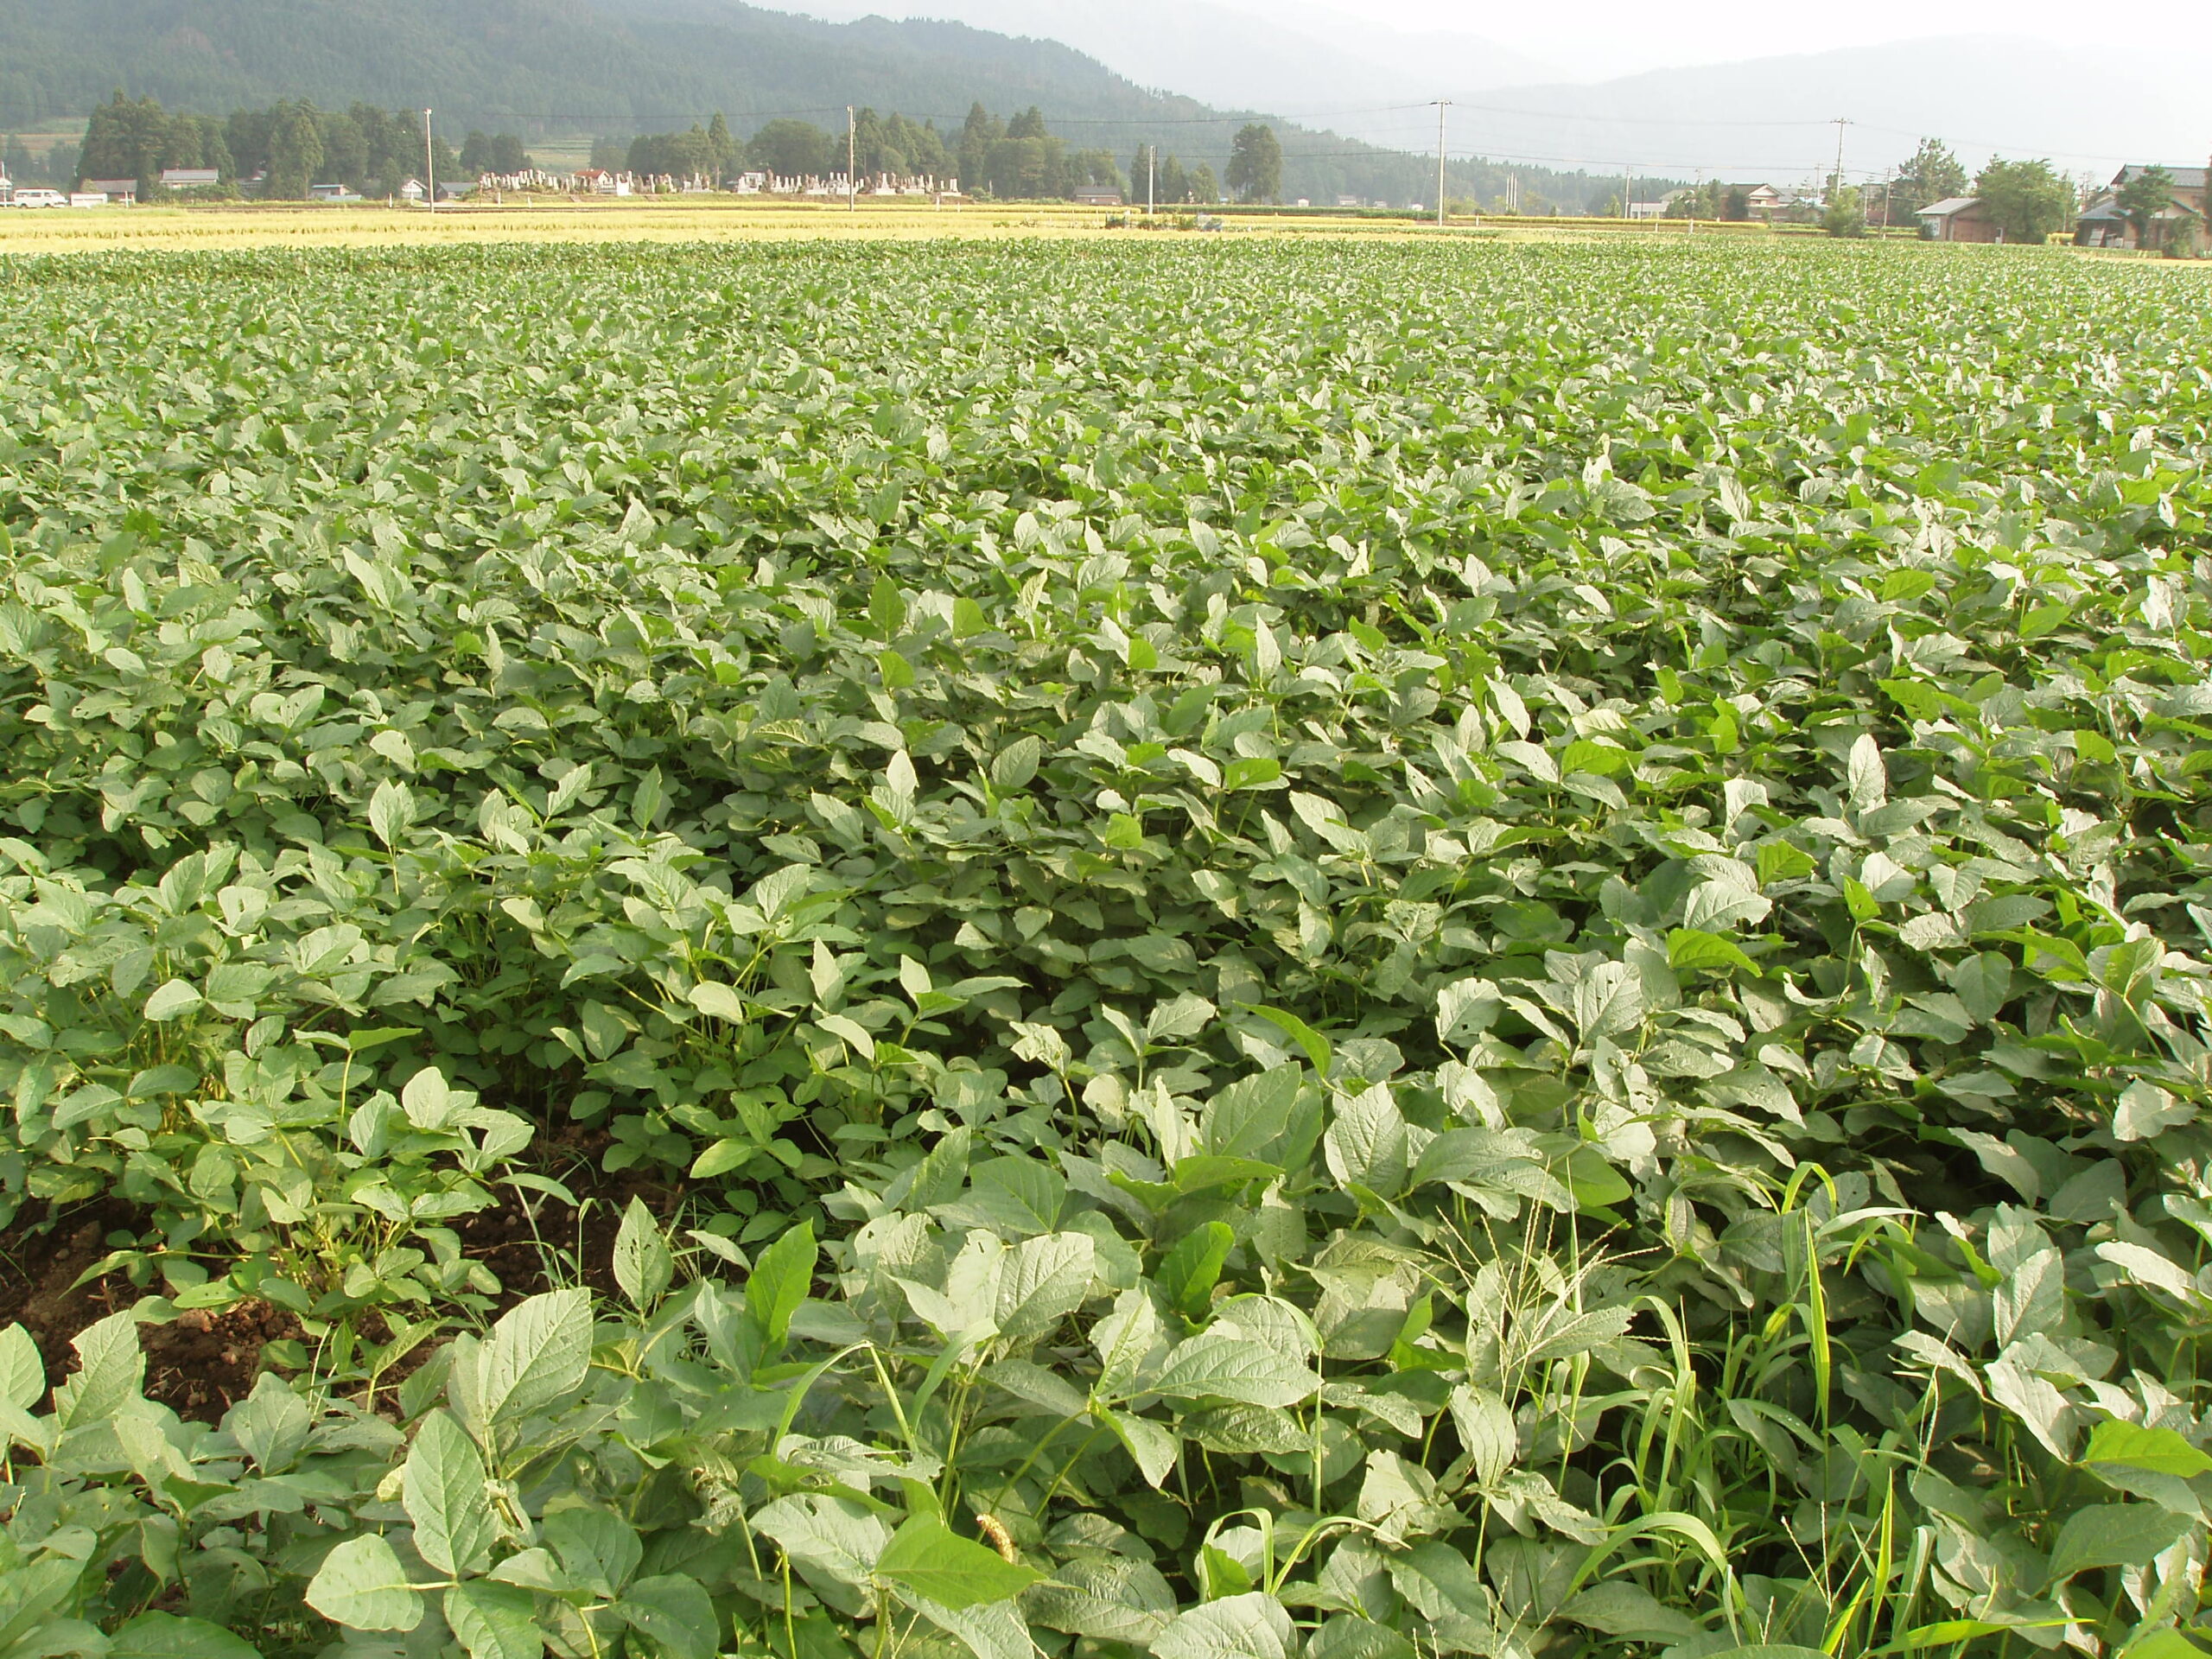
(41, 199)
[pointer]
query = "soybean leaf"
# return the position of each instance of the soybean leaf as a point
(446, 1499)
(1042, 1280)
(166, 1636)
(928, 1558)
(1189, 1273)
(675, 1611)
(1250, 1626)
(1210, 1366)
(539, 1353)
(782, 1274)
(362, 1586)
(643, 1264)
(494, 1621)
(2113, 1534)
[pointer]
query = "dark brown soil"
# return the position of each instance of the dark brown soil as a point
(202, 1362)
(199, 1364)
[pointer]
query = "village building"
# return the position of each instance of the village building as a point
(1959, 219)
(190, 178)
(2106, 223)
(1097, 195)
(119, 193)
(1760, 200)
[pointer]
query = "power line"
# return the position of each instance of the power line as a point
(1991, 144)
(1626, 120)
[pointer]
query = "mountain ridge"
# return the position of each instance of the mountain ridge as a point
(1984, 94)
(1297, 57)
(617, 67)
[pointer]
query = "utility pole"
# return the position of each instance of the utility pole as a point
(1624, 193)
(1151, 174)
(1835, 184)
(1442, 105)
(852, 160)
(429, 165)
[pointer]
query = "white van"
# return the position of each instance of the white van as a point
(41, 199)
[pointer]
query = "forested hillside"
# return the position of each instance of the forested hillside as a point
(623, 66)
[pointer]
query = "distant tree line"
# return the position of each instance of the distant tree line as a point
(20, 164)
(1168, 182)
(287, 148)
(280, 151)
(2030, 199)
(1019, 158)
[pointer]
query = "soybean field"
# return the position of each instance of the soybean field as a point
(1219, 950)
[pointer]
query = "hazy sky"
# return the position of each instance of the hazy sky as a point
(1593, 38)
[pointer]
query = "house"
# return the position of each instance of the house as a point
(331, 193)
(122, 193)
(1647, 209)
(412, 191)
(1959, 219)
(1760, 200)
(1097, 195)
(190, 178)
(2105, 223)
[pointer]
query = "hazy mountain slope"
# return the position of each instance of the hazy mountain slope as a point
(564, 62)
(2086, 107)
(619, 67)
(1293, 56)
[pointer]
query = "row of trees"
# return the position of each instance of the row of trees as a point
(2030, 199)
(1017, 158)
(290, 146)
(1167, 183)
(56, 165)
(1020, 157)
(283, 149)
(293, 145)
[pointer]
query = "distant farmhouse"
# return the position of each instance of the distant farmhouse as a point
(120, 193)
(190, 178)
(2180, 221)
(1960, 218)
